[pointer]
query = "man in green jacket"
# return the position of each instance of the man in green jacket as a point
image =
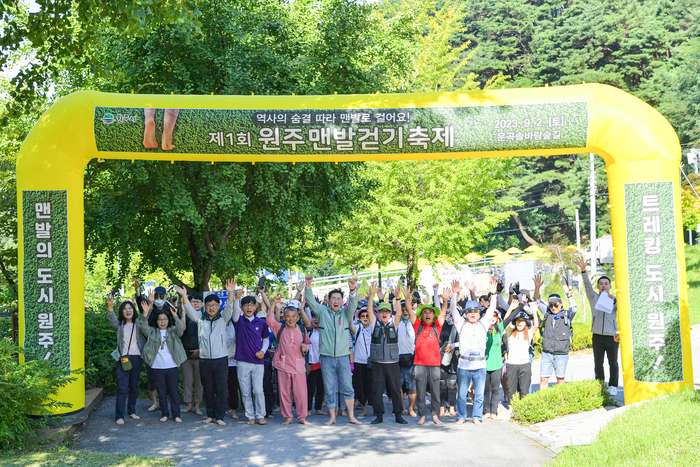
(335, 346)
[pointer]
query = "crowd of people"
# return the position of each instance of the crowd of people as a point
(345, 353)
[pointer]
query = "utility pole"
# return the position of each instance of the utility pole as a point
(594, 264)
(578, 226)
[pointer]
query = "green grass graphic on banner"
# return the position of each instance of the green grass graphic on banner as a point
(45, 288)
(357, 131)
(657, 351)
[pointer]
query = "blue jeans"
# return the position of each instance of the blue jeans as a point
(464, 377)
(336, 376)
(551, 363)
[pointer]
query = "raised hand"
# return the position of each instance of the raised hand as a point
(258, 298)
(538, 281)
(446, 294)
(300, 286)
(513, 304)
(397, 291)
(231, 285)
(493, 286)
(408, 295)
(352, 284)
(110, 302)
(151, 298)
(372, 290)
(471, 287)
(381, 294)
(180, 290)
(436, 285)
(499, 288)
(456, 287)
(278, 299)
(582, 264)
(511, 289)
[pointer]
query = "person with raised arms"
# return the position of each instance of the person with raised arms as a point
(427, 323)
(292, 345)
(472, 344)
(334, 346)
(213, 351)
(164, 353)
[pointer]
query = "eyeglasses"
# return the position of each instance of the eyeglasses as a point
(554, 304)
(212, 305)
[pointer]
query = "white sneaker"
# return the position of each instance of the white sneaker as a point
(612, 391)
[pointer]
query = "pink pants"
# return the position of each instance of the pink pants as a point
(297, 383)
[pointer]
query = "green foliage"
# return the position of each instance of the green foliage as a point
(562, 399)
(27, 389)
(416, 210)
(660, 432)
(692, 265)
(65, 456)
(100, 341)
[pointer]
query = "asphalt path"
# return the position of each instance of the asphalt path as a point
(495, 443)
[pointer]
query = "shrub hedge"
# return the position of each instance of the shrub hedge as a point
(564, 399)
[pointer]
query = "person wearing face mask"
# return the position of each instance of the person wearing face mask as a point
(556, 334)
(130, 342)
(472, 344)
(334, 346)
(192, 389)
(606, 340)
(213, 349)
(163, 351)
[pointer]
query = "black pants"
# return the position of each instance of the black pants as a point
(492, 391)
(149, 377)
(269, 389)
(518, 375)
(605, 345)
(128, 383)
(214, 375)
(386, 375)
(167, 384)
(314, 384)
(362, 383)
(233, 388)
(448, 388)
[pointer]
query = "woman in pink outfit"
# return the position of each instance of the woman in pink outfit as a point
(292, 343)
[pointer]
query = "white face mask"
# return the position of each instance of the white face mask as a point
(159, 303)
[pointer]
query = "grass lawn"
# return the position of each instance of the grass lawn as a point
(64, 456)
(692, 266)
(662, 432)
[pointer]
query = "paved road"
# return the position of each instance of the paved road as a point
(494, 443)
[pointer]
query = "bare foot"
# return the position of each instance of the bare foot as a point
(436, 420)
(330, 421)
(460, 422)
(134, 416)
(153, 407)
(199, 412)
(221, 423)
(477, 422)
(120, 421)
(208, 420)
(164, 419)
(343, 413)
(287, 421)
(421, 421)
(453, 412)
(251, 422)
(442, 411)
(167, 143)
(303, 422)
(149, 135)
(354, 421)
(187, 408)
(321, 412)
(412, 413)
(233, 415)
(261, 421)
(178, 419)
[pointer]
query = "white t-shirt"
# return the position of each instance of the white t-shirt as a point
(314, 349)
(163, 360)
(362, 343)
(407, 337)
(519, 347)
(130, 338)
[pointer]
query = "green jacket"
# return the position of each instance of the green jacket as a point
(172, 338)
(335, 327)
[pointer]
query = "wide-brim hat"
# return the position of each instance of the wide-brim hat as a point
(419, 311)
(525, 316)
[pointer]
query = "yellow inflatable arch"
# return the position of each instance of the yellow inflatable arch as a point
(640, 148)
